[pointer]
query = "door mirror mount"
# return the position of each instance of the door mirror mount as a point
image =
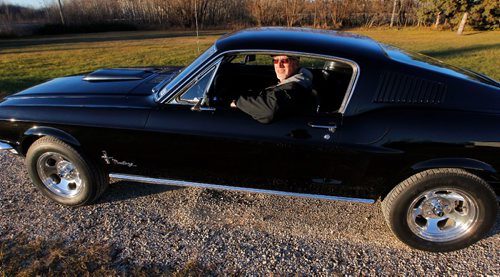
(250, 58)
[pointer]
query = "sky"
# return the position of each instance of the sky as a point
(29, 3)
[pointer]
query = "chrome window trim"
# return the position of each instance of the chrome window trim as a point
(161, 96)
(345, 102)
(196, 78)
(170, 182)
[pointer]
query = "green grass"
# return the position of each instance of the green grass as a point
(24, 63)
(479, 51)
(27, 62)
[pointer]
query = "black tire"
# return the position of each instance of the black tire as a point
(441, 210)
(68, 177)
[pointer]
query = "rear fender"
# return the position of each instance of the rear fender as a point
(464, 163)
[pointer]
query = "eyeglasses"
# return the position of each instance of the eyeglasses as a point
(283, 61)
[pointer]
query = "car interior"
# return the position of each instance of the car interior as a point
(248, 74)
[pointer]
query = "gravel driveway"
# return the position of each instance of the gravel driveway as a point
(169, 228)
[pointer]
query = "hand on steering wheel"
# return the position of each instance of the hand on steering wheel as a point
(233, 104)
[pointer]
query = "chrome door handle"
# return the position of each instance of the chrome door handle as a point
(329, 127)
(199, 109)
(207, 109)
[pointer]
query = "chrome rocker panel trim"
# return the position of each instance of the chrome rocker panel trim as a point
(142, 179)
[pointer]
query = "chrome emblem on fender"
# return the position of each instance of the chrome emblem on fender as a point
(111, 160)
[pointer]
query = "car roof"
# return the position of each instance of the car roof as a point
(304, 40)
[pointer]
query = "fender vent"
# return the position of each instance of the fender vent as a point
(401, 88)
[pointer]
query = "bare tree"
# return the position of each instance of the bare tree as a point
(393, 16)
(293, 11)
(61, 13)
(239, 13)
(462, 23)
(438, 19)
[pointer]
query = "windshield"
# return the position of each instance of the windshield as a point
(435, 65)
(186, 71)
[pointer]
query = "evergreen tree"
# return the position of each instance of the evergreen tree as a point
(486, 15)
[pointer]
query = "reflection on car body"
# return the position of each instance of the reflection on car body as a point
(386, 124)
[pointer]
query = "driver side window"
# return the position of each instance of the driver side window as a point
(246, 74)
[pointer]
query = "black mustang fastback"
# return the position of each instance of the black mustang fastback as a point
(422, 136)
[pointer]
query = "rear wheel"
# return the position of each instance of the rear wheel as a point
(441, 209)
(61, 173)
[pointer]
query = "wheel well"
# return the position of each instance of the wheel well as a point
(487, 176)
(27, 142)
(33, 134)
(30, 139)
(392, 183)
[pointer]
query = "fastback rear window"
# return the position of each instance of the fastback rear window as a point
(435, 65)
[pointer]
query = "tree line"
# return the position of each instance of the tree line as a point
(479, 14)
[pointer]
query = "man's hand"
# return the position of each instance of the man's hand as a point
(233, 104)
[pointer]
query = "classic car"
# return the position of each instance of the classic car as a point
(421, 136)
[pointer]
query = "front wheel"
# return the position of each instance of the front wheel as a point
(63, 174)
(441, 209)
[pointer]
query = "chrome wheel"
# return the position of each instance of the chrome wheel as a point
(59, 174)
(442, 214)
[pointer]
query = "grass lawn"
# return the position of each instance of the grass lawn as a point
(479, 51)
(26, 62)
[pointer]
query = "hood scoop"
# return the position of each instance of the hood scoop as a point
(118, 74)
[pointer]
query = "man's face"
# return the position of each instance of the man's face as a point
(285, 67)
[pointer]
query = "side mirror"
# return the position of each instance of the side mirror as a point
(250, 58)
(198, 107)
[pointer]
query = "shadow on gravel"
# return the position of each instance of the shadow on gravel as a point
(24, 257)
(124, 190)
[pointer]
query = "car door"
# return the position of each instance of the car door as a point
(228, 147)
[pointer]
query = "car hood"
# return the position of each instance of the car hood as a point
(105, 82)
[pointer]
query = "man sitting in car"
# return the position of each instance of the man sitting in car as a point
(291, 95)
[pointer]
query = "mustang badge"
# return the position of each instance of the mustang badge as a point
(111, 160)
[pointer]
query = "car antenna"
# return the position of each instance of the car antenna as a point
(196, 24)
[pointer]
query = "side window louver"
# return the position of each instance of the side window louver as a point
(400, 88)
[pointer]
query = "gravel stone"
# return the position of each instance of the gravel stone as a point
(168, 228)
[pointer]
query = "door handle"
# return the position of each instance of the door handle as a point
(207, 109)
(199, 109)
(329, 127)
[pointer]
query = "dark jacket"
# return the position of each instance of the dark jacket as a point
(292, 97)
